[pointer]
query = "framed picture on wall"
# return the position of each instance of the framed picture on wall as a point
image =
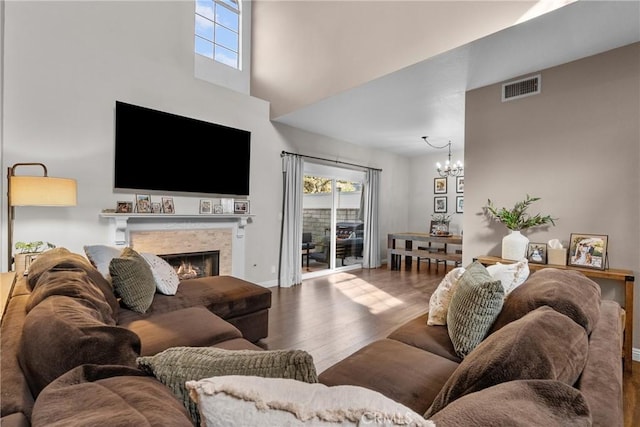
(440, 204)
(588, 250)
(459, 204)
(440, 185)
(537, 253)
(459, 184)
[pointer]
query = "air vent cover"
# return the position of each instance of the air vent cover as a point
(521, 88)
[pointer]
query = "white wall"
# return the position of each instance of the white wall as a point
(65, 65)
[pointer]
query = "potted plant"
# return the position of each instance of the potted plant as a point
(514, 245)
(27, 252)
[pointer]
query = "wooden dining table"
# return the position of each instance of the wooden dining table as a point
(395, 251)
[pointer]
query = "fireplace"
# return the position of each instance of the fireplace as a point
(194, 264)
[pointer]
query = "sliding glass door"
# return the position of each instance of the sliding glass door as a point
(332, 224)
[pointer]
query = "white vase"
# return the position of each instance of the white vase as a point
(514, 246)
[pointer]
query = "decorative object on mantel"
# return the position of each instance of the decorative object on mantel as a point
(167, 205)
(449, 168)
(143, 203)
(227, 206)
(124, 207)
(241, 207)
(514, 245)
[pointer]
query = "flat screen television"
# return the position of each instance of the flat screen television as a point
(164, 153)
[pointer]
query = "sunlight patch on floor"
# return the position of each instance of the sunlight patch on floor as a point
(364, 293)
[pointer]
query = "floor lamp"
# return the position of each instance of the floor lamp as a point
(35, 191)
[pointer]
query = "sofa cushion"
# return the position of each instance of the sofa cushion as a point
(394, 369)
(164, 274)
(61, 259)
(441, 297)
(174, 366)
(510, 275)
(194, 326)
(133, 280)
(100, 257)
(518, 403)
(434, 339)
(475, 304)
(287, 402)
(65, 332)
(544, 344)
(567, 291)
(93, 395)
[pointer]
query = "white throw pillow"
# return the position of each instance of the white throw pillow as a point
(164, 274)
(511, 275)
(100, 257)
(441, 297)
(287, 402)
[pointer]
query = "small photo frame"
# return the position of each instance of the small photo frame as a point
(156, 207)
(537, 253)
(167, 205)
(459, 184)
(440, 185)
(124, 207)
(241, 207)
(459, 204)
(440, 204)
(143, 203)
(217, 209)
(206, 206)
(227, 206)
(588, 250)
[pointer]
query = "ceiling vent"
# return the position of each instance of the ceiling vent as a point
(521, 88)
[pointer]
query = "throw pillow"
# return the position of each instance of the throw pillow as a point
(474, 307)
(280, 402)
(176, 365)
(544, 344)
(511, 275)
(100, 257)
(164, 274)
(133, 280)
(441, 297)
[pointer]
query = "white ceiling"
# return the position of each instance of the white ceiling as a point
(393, 112)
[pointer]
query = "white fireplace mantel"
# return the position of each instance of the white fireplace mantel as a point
(121, 221)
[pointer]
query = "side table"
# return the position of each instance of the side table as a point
(623, 277)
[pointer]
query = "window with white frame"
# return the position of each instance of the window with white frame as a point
(217, 31)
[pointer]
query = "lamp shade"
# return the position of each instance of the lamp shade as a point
(42, 191)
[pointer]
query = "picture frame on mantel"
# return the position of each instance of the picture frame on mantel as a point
(241, 207)
(124, 207)
(440, 204)
(440, 185)
(206, 206)
(167, 205)
(143, 203)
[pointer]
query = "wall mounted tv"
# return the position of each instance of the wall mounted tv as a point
(163, 153)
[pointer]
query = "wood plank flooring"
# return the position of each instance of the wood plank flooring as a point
(333, 316)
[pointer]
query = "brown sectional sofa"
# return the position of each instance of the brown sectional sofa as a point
(63, 319)
(552, 357)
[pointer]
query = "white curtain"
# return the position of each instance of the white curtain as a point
(371, 253)
(290, 273)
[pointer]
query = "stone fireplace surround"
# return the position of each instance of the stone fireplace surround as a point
(171, 234)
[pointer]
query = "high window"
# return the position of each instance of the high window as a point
(217, 31)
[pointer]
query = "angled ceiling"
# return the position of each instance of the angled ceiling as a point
(391, 112)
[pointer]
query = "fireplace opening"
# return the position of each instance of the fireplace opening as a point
(194, 264)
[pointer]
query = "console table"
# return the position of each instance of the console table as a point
(409, 252)
(623, 277)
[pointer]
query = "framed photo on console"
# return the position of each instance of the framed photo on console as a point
(440, 204)
(588, 250)
(537, 253)
(440, 185)
(143, 203)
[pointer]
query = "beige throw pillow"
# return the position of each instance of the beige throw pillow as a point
(165, 276)
(511, 275)
(441, 297)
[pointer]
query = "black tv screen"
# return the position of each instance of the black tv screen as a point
(161, 152)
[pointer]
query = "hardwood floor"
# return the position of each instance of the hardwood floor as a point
(333, 316)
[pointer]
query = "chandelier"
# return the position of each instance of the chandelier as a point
(449, 169)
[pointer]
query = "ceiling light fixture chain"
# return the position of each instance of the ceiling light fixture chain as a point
(449, 168)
